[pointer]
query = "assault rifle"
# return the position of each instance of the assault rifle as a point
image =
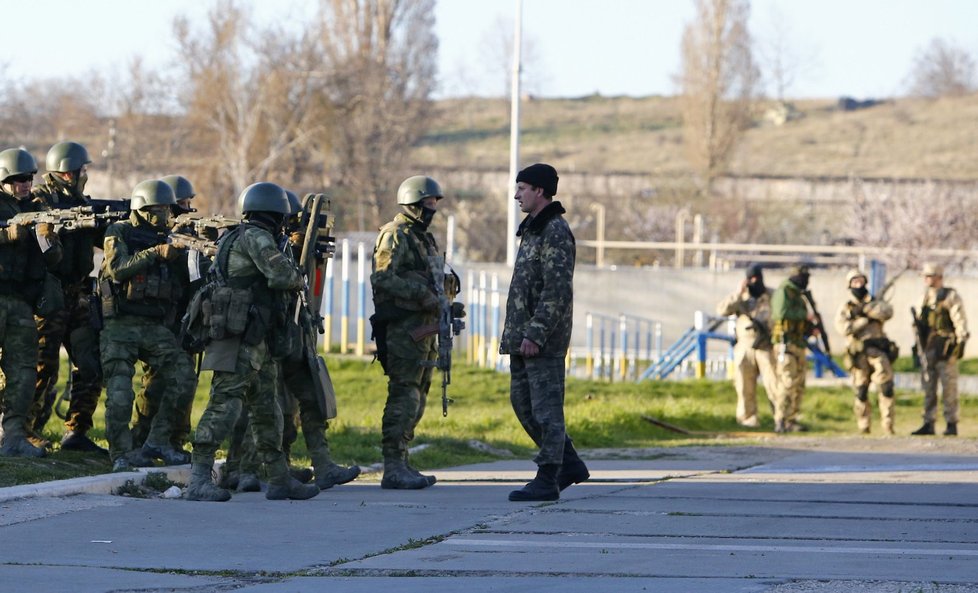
(449, 325)
(205, 226)
(920, 331)
(819, 325)
(187, 241)
(318, 246)
(65, 219)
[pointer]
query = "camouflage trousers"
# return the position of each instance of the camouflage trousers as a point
(296, 397)
(408, 383)
(749, 363)
(148, 402)
(125, 340)
(536, 390)
(943, 373)
(791, 367)
(250, 386)
(18, 360)
(71, 327)
(872, 367)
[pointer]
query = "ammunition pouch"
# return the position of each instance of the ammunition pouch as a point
(283, 335)
(885, 345)
(52, 298)
(225, 311)
(106, 294)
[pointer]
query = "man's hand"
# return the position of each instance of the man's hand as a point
(16, 232)
(167, 252)
(297, 238)
(529, 348)
(458, 310)
(46, 230)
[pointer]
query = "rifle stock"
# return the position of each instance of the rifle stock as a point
(819, 324)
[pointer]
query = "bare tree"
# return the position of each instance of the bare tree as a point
(253, 98)
(783, 58)
(909, 221)
(380, 56)
(496, 51)
(943, 70)
(718, 80)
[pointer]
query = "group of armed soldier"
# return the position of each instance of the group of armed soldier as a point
(233, 296)
(772, 331)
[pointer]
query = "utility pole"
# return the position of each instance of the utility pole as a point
(512, 209)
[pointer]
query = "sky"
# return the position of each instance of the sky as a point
(858, 48)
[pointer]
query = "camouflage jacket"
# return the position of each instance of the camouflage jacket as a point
(750, 311)
(254, 253)
(78, 246)
(401, 276)
(862, 319)
(943, 313)
(540, 305)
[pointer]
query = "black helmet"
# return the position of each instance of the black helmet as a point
(264, 197)
(181, 186)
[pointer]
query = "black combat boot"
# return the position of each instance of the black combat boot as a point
(572, 470)
(165, 453)
(292, 490)
(75, 440)
(927, 428)
(542, 487)
(248, 482)
(431, 479)
(19, 446)
(951, 430)
(334, 474)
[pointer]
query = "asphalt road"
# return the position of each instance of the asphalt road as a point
(794, 515)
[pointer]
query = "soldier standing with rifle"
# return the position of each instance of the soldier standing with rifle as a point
(753, 353)
(72, 326)
(141, 281)
(405, 299)
(791, 326)
(941, 331)
(537, 332)
(23, 265)
(868, 352)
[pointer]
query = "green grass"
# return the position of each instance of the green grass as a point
(599, 415)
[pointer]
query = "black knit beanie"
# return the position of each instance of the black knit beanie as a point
(540, 175)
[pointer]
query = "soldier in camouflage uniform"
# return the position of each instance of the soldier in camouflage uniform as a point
(753, 353)
(64, 187)
(405, 300)
(945, 332)
(298, 399)
(22, 278)
(148, 398)
(141, 280)
(860, 319)
(789, 332)
(537, 332)
(251, 282)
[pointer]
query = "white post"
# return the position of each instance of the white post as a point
(514, 138)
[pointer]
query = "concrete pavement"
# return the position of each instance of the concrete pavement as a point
(794, 515)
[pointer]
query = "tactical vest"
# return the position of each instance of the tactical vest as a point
(938, 318)
(22, 267)
(78, 247)
(239, 305)
(423, 246)
(154, 291)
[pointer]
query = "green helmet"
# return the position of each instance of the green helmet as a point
(16, 161)
(264, 197)
(151, 192)
(295, 206)
(414, 189)
(181, 186)
(66, 156)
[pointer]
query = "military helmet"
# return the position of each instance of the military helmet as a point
(932, 269)
(414, 189)
(66, 156)
(295, 206)
(152, 192)
(263, 197)
(853, 274)
(16, 161)
(802, 269)
(181, 186)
